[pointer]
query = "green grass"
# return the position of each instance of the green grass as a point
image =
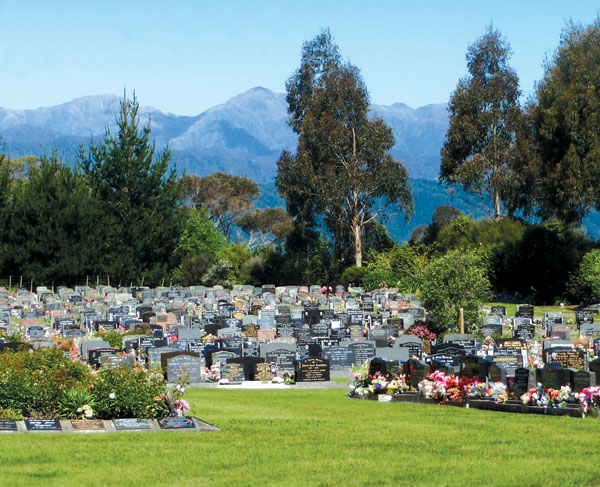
(316, 438)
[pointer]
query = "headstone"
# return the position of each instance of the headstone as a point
(474, 367)
(499, 311)
(283, 355)
(497, 373)
(521, 383)
(456, 351)
(581, 379)
(233, 372)
(263, 372)
(413, 343)
(312, 369)
(568, 359)
(589, 329)
(377, 365)
(553, 376)
(178, 364)
(248, 364)
(363, 350)
(176, 423)
(416, 371)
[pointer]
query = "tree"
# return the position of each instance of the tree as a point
(484, 119)
(226, 197)
(589, 276)
(266, 227)
(456, 280)
(54, 232)
(565, 120)
(138, 194)
(342, 169)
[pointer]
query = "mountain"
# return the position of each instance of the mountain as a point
(245, 135)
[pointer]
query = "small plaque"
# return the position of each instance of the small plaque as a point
(43, 425)
(176, 422)
(131, 424)
(8, 425)
(87, 425)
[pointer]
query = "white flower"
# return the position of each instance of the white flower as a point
(112, 395)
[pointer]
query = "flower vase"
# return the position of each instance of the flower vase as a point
(179, 413)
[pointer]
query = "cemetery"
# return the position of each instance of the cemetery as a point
(120, 359)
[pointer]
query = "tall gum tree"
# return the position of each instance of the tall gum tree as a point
(342, 169)
(484, 118)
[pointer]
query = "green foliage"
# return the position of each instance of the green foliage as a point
(10, 415)
(405, 264)
(484, 119)
(342, 165)
(588, 277)
(225, 197)
(455, 280)
(33, 382)
(124, 392)
(113, 337)
(266, 227)
(138, 195)
(54, 228)
(565, 122)
(75, 402)
(238, 255)
(374, 279)
(538, 266)
(354, 276)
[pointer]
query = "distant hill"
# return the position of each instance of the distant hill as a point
(245, 135)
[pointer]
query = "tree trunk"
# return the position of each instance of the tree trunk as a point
(356, 230)
(496, 206)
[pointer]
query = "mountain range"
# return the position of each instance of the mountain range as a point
(245, 135)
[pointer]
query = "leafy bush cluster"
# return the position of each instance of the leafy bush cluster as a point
(47, 384)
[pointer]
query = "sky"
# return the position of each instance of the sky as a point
(184, 57)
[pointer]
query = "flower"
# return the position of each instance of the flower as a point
(112, 395)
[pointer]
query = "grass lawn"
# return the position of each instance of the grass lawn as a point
(316, 438)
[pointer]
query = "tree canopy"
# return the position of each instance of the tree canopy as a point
(342, 169)
(484, 118)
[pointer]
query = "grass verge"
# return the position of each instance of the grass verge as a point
(316, 438)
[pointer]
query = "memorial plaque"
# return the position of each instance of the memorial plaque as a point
(312, 369)
(524, 331)
(87, 425)
(499, 311)
(568, 359)
(131, 424)
(416, 371)
(468, 342)
(43, 425)
(8, 425)
(584, 317)
(263, 372)
(250, 330)
(509, 359)
(176, 423)
(233, 372)
(379, 336)
(456, 351)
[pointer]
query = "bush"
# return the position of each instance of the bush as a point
(456, 280)
(354, 276)
(375, 278)
(124, 392)
(32, 383)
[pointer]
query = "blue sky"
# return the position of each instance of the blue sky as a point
(186, 56)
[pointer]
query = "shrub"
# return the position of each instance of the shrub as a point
(354, 275)
(32, 382)
(124, 392)
(377, 277)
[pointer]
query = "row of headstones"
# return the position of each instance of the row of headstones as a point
(552, 375)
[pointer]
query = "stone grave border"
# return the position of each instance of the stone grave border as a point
(199, 427)
(510, 406)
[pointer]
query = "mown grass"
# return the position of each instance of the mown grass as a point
(316, 438)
